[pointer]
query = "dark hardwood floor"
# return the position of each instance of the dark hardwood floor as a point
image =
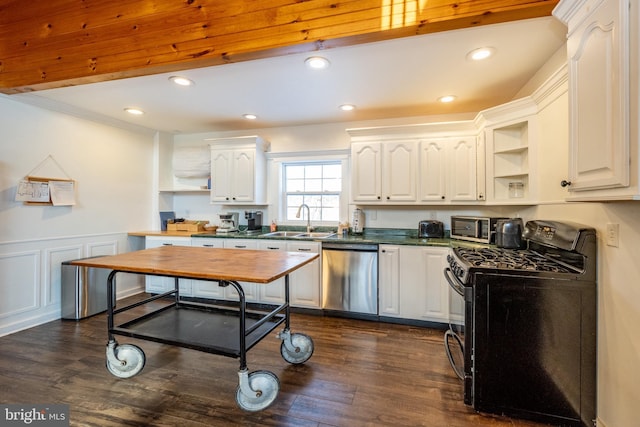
(361, 374)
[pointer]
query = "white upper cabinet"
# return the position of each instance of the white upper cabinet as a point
(603, 155)
(366, 170)
(433, 170)
(462, 169)
(399, 163)
(419, 164)
(384, 172)
(238, 170)
(448, 169)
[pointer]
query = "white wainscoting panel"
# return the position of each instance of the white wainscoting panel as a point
(53, 259)
(19, 283)
(31, 273)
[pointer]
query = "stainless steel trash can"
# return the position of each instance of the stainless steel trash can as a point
(84, 291)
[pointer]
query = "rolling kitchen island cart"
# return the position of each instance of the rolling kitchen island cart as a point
(225, 330)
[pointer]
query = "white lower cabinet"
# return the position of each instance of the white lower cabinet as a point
(412, 283)
(425, 292)
(159, 284)
(272, 293)
(207, 288)
(304, 283)
(250, 289)
(389, 281)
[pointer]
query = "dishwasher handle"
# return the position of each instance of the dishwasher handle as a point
(357, 247)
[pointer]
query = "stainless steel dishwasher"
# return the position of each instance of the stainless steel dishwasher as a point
(350, 277)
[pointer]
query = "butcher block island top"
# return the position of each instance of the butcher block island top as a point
(205, 263)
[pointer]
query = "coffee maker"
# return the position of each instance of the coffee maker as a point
(228, 222)
(254, 221)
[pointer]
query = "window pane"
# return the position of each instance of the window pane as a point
(295, 172)
(313, 185)
(295, 185)
(332, 185)
(332, 171)
(313, 171)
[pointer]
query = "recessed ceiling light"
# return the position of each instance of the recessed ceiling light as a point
(250, 116)
(347, 107)
(181, 81)
(317, 62)
(134, 111)
(480, 54)
(447, 98)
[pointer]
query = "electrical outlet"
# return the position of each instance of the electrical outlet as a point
(613, 234)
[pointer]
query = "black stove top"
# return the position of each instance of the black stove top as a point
(553, 249)
(511, 259)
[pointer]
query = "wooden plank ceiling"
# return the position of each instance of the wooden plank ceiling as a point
(70, 42)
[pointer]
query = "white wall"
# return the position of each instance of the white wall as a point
(112, 169)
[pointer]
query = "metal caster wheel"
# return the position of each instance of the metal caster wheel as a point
(260, 390)
(298, 350)
(124, 361)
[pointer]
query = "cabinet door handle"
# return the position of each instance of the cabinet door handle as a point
(304, 249)
(240, 246)
(565, 183)
(208, 245)
(273, 248)
(167, 244)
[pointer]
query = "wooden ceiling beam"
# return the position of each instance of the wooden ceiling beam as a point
(70, 42)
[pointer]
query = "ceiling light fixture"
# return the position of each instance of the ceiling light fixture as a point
(250, 116)
(181, 81)
(447, 98)
(480, 53)
(317, 62)
(347, 107)
(134, 111)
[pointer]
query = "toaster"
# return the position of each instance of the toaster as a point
(430, 229)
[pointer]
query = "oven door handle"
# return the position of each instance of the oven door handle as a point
(454, 282)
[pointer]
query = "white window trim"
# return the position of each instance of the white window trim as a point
(277, 196)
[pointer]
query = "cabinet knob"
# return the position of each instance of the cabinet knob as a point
(565, 183)
(480, 196)
(379, 197)
(383, 251)
(442, 197)
(388, 198)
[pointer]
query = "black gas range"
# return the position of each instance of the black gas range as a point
(522, 332)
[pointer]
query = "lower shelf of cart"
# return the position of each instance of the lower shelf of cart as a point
(204, 329)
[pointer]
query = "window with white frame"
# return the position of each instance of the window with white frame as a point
(315, 184)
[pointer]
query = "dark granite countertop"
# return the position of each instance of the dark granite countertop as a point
(375, 236)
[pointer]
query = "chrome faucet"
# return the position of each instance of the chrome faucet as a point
(309, 227)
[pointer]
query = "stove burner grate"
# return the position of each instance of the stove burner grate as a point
(510, 259)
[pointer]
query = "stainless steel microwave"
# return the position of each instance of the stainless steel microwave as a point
(474, 228)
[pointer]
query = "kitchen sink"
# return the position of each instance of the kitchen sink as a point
(300, 234)
(283, 234)
(317, 235)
